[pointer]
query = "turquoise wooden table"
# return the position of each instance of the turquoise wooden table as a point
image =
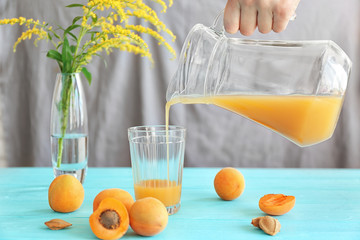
(327, 204)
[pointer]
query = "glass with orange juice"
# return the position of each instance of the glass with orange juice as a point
(157, 159)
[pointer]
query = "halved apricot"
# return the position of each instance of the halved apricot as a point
(110, 220)
(148, 216)
(276, 204)
(117, 193)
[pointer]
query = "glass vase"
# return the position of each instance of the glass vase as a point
(69, 127)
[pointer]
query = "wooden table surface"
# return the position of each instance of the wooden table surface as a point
(327, 204)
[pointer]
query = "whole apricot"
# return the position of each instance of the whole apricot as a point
(229, 183)
(276, 204)
(117, 193)
(148, 216)
(66, 194)
(110, 220)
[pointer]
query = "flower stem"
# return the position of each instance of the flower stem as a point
(67, 83)
(60, 150)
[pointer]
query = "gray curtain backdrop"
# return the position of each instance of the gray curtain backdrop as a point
(130, 91)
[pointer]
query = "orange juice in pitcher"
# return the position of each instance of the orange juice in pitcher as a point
(305, 120)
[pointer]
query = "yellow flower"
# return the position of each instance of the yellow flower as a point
(122, 43)
(107, 31)
(13, 21)
(28, 34)
(22, 20)
(154, 34)
(84, 22)
(86, 10)
(163, 4)
(4, 21)
(92, 14)
(29, 21)
(40, 32)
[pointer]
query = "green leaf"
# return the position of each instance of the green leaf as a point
(75, 5)
(54, 55)
(73, 36)
(59, 45)
(69, 29)
(87, 74)
(59, 27)
(57, 36)
(76, 19)
(72, 48)
(66, 56)
(72, 27)
(49, 36)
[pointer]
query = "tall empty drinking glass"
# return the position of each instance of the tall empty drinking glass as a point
(157, 159)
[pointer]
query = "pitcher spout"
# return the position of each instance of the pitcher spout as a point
(190, 77)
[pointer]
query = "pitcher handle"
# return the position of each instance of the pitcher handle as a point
(218, 24)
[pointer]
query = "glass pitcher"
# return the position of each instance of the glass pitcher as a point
(295, 88)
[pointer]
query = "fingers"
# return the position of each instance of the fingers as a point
(282, 15)
(248, 16)
(265, 20)
(232, 16)
(267, 15)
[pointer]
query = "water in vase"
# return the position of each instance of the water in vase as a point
(74, 155)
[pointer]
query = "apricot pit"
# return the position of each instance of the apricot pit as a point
(110, 220)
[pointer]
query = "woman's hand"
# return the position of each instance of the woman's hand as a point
(267, 15)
